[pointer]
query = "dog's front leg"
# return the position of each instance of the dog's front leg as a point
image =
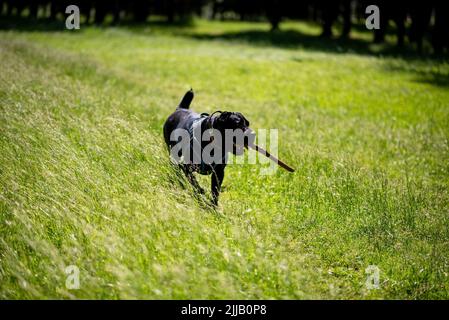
(217, 179)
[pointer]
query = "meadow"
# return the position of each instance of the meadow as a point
(86, 179)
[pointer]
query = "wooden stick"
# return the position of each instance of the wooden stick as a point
(273, 158)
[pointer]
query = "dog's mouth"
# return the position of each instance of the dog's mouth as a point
(248, 140)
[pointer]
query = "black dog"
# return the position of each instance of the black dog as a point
(196, 125)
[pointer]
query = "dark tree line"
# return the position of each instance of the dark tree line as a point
(97, 10)
(414, 20)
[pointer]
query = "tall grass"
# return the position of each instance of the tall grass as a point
(86, 181)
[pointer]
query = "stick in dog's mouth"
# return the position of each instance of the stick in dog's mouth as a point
(270, 156)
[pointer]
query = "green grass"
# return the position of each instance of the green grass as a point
(86, 181)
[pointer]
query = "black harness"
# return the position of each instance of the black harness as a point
(202, 167)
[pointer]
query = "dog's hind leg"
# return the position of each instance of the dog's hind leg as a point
(192, 179)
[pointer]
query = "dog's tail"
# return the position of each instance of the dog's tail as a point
(186, 100)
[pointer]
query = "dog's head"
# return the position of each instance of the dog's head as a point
(243, 133)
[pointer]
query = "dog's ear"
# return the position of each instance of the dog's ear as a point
(225, 115)
(245, 121)
(223, 118)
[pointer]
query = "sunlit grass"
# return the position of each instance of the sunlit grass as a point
(86, 181)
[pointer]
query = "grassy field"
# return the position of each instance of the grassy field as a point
(86, 180)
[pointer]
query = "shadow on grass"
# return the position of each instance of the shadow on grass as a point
(285, 38)
(15, 23)
(428, 73)
(436, 79)
(294, 39)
